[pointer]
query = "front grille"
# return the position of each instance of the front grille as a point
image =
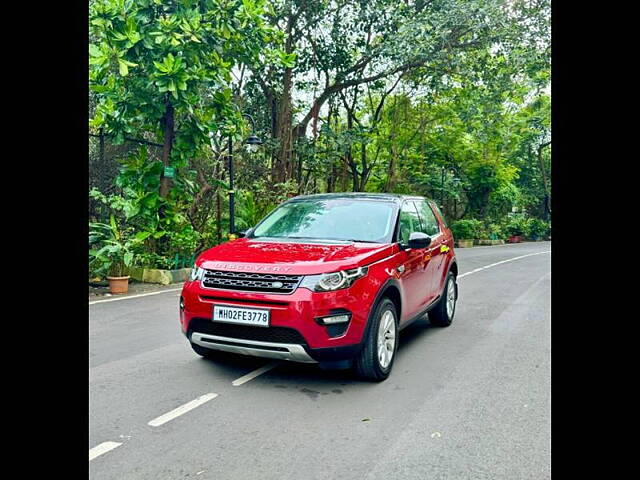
(251, 282)
(248, 301)
(259, 334)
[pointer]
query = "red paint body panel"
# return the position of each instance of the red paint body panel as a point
(245, 254)
(419, 284)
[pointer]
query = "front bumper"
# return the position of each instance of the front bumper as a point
(298, 311)
(280, 351)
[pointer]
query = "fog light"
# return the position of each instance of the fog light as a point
(181, 303)
(335, 319)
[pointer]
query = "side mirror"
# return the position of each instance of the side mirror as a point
(245, 233)
(419, 240)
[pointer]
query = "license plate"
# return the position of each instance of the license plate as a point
(258, 317)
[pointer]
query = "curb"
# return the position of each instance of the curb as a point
(155, 275)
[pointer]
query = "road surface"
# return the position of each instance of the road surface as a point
(471, 401)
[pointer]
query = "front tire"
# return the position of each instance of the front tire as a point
(375, 360)
(202, 351)
(442, 314)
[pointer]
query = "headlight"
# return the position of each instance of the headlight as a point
(196, 273)
(327, 282)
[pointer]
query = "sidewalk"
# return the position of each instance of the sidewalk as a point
(135, 288)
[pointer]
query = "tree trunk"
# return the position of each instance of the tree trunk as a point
(102, 162)
(167, 121)
(545, 182)
(331, 181)
(391, 175)
(165, 184)
(282, 168)
(218, 216)
(364, 175)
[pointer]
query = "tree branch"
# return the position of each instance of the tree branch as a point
(338, 86)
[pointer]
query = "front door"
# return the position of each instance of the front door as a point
(435, 251)
(412, 263)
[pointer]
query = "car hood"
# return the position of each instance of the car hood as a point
(287, 257)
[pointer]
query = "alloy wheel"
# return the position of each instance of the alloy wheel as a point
(386, 339)
(451, 297)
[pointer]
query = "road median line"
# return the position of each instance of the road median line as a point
(251, 375)
(181, 410)
(102, 448)
(500, 263)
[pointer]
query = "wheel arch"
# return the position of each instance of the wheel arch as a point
(453, 267)
(393, 293)
(390, 289)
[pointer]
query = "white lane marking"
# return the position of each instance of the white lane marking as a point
(135, 296)
(182, 409)
(254, 374)
(499, 263)
(102, 448)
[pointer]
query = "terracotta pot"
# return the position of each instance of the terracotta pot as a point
(118, 284)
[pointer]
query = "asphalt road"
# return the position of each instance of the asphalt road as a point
(471, 401)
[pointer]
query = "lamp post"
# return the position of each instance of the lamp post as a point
(442, 189)
(456, 184)
(252, 142)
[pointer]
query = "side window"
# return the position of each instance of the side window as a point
(409, 221)
(444, 220)
(429, 222)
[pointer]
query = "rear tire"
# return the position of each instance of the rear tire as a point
(441, 315)
(375, 360)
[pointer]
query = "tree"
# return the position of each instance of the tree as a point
(162, 69)
(161, 73)
(343, 44)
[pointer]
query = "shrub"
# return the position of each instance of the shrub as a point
(467, 229)
(517, 225)
(538, 228)
(495, 231)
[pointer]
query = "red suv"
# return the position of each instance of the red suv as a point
(327, 279)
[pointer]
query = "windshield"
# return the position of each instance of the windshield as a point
(331, 219)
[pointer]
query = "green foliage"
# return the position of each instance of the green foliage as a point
(146, 54)
(112, 247)
(151, 59)
(467, 229)
(495, 231)
(538, 229)
(517, 225)
(446, 99)
(252, 206)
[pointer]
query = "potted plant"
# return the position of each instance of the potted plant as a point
(112, 254)
(465, 231)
